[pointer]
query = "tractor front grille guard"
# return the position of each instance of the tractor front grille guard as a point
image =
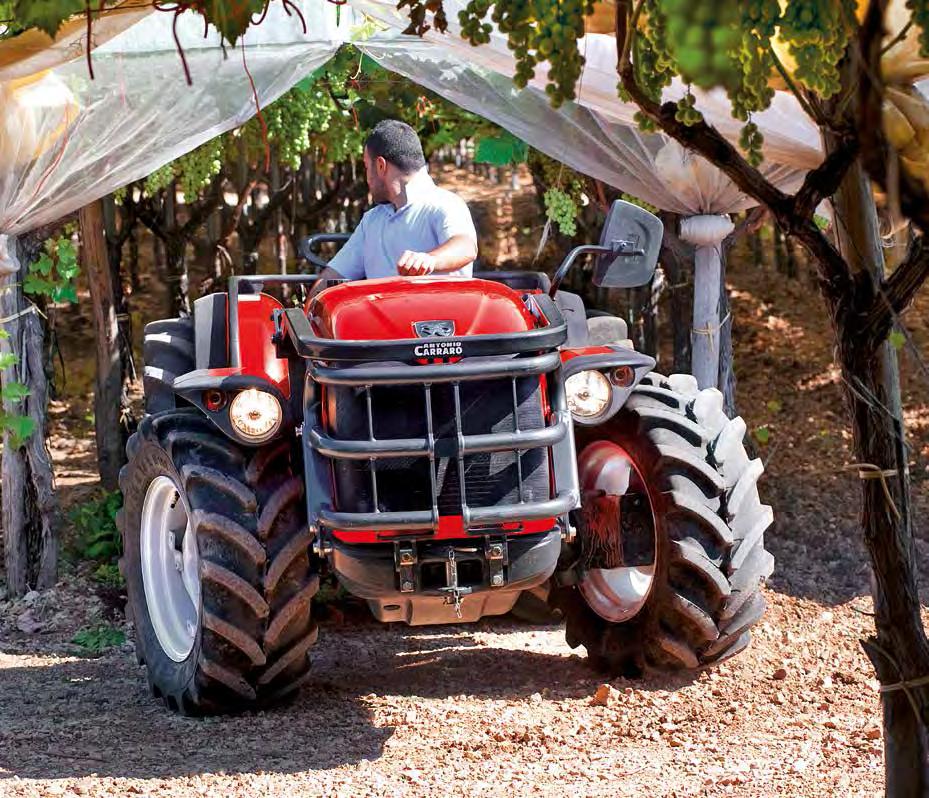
(364, 365)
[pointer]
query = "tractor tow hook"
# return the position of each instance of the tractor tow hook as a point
(454, 591)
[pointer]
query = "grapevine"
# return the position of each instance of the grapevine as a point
(537, 31)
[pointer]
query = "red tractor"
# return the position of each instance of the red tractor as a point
(441, 445)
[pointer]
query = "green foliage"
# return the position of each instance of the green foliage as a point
(95, 524)
(762, 434)
(108, 575)
(18, 427)
(775, 405)
(53, 274)
(97, 639)
(500, 150)
(641, 203)
(46, 15)
(230, 17)
(896, 339)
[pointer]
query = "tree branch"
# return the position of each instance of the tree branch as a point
(705, 140)
(897, 292)
(753, 222)
(825, 179)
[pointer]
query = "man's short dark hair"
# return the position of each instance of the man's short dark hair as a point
(397, 143)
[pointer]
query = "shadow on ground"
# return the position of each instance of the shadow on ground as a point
(64, 718)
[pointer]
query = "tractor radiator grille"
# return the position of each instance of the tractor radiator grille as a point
(404, 483)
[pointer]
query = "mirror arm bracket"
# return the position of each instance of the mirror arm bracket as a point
(617, 248)
(574, 254)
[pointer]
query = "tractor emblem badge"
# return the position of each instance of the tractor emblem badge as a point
(434, 329)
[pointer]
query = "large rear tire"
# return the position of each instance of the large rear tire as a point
(709, 556)
(167, 352)
(251, 585)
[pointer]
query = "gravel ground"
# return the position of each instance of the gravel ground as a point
(493, 708)
(501, 707)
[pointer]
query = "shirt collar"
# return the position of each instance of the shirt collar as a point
(418, 188)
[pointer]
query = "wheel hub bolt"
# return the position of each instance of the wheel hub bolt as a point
(407, 585)
(497, 580)
(496, 551)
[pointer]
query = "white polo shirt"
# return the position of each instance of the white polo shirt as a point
(430, 217)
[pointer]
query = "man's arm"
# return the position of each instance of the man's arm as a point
(458, 251)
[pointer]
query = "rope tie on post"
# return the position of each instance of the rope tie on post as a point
(871, 471)
(711, 330)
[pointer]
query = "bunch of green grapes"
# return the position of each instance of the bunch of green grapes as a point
(294, 119)
(651, 56)
(760, 19)
(196, 170)
(160, 179)
(817, 32)
(563, 191)
(704, 37)
(537, 31)
(751, 141)
(561, 208)
(687, 113)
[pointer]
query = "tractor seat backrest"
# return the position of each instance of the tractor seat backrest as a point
(607, 330)
(572, 308)
(517, 280)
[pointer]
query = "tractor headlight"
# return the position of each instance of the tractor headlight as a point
(255, 415)
(589, 393)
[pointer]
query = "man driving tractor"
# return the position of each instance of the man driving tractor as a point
(415, 227)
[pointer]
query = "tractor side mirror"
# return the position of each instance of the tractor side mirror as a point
(633, 236)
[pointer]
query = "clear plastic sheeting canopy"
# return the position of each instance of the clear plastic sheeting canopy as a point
(66, 140)
(648, 166)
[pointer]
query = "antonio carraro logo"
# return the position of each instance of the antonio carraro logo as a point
(436, 329)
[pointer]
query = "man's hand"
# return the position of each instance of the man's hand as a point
(412, 264)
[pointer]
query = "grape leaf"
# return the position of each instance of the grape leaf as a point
(37, 285)
(896, 339)
(43, 265)
(14, 392)
(775, 405)
(65, 293)
(7, 360)
(232, 17)
(19, 427)
(46, 15)
(763, 435)
(500, 150)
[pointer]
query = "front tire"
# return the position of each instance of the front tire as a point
(709, 559)
(249, 604)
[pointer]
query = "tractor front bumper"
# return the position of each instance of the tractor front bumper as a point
(447, 581)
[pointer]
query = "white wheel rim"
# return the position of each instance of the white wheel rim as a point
(617, 594)
(170, 569)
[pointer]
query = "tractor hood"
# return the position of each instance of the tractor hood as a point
(417, 307)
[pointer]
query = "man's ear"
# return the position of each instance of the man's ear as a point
(380, 165)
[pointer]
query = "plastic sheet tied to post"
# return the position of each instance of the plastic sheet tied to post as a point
(66, 140)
